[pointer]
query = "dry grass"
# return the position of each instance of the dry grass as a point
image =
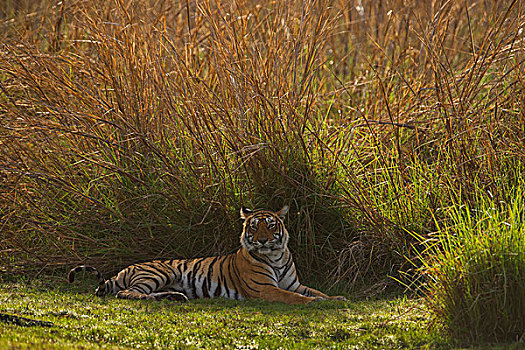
(135, 130)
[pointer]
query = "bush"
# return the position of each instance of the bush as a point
(476, 268)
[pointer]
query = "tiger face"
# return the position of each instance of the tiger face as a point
(264, 231)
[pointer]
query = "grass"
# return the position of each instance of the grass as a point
(136, 130)
(84, 321)
(475, 268)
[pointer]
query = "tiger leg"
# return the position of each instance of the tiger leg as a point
(150, 288)
(174, 296)
(133, 294)
(271, 293)
(307, 291)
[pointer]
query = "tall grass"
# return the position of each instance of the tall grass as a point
(151, 126)
(135, 130)
(476, 268)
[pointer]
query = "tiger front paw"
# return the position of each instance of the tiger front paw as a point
(316, 299)
(171, 296)
(338, 298)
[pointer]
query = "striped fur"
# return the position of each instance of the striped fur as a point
(262, 268)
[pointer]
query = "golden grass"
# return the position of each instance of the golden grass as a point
(135, 130)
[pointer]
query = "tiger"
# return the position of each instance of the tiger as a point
(262, 268)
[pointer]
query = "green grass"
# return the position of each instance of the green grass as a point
(476, 268)
(82, 320)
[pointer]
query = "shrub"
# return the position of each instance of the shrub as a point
(476, 270)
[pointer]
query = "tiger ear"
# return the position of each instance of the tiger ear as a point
(245, 212)
(282, 213)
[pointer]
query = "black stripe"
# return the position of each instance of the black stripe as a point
(139, 275)
(180, 270)
(288, 265)
(210, 272)
(139, 288)
(157, 283)
(231, 269)
(234, 270)
(279, 259)
(264, 262)
(220, 277)
(124, 277)
(146, 278)
(196, 274)
(258, 259)
(189, 278)
(218, 290)
(132, 275)
(205, 293)
(264, 274)
(262, 283)
(291, 284)
(162, 273)
(174, 272)
(144, 281)
(110, 287)
(228, 270)
(244, 282)
(118, 284)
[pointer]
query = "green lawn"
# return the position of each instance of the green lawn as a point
(81, 320)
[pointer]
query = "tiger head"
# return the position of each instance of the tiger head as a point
(263, 231)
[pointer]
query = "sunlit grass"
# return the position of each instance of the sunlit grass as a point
(83, 320)
(476, 268)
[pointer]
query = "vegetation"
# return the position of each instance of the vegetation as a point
(86, 322)
(136, 130)
(477, 267)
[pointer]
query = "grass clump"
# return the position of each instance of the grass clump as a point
(476, 268)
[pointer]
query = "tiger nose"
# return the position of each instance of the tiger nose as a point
(262, 240)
